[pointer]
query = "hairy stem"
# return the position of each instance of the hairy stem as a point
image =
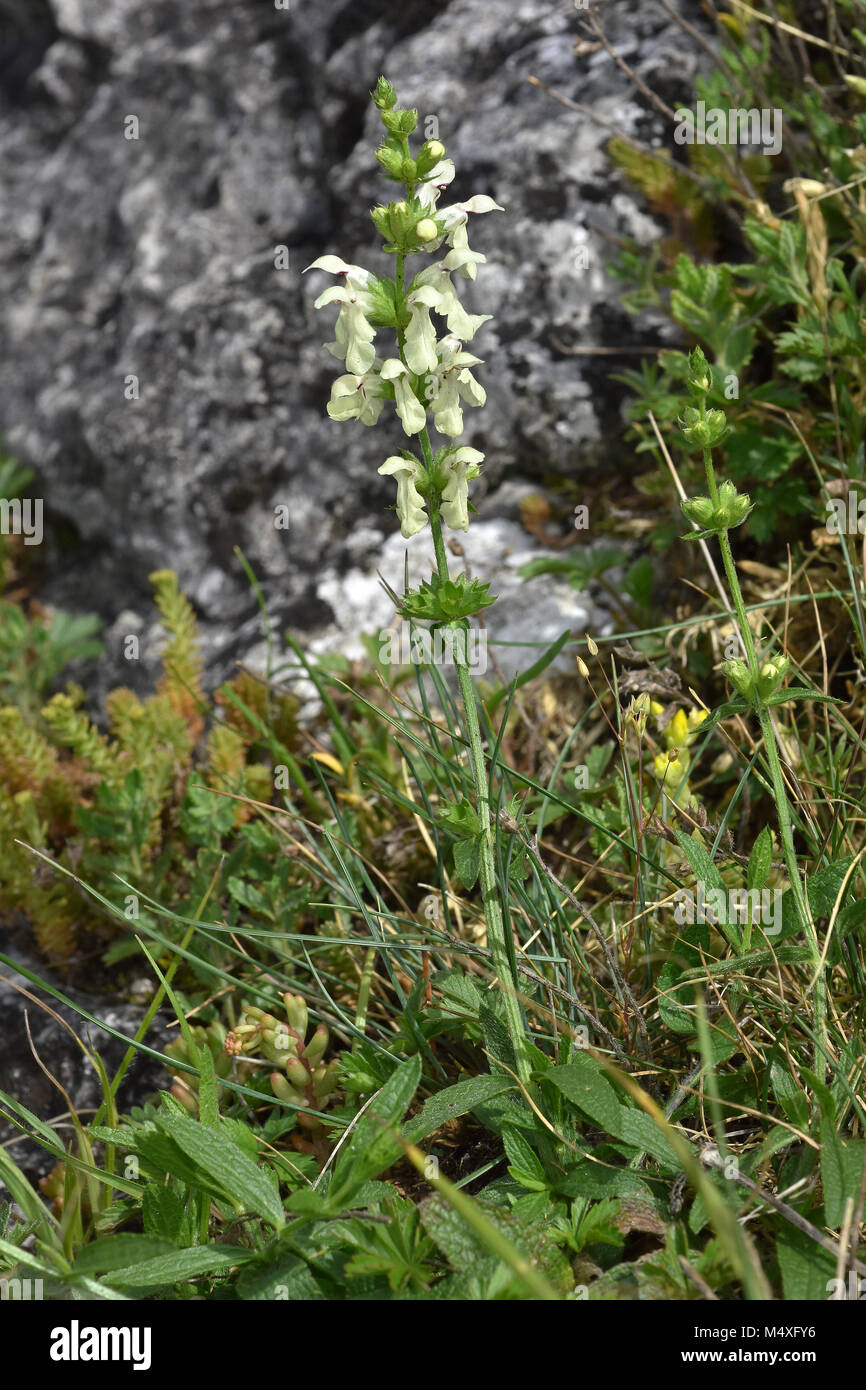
(497, 938)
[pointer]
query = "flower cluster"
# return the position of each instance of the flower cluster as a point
(762, 686)
(426, 374)
(304, 1079)
(672, 767)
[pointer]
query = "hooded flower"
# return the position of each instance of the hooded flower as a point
(357, 398)
(410, 503)
(353, 333)
(409, 408)
(461, 466)
(431, 185)
(453, 382)
(456, 218)
(420, 343)
(438, 277)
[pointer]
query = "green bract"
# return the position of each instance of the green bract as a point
(444, 601)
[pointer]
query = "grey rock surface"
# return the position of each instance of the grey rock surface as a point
(168, 383)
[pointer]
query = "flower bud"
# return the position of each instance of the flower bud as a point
(637, 712)
(700, 377)
(706, 431)
(429, 156)
(384, 96)
(737, 673)
(391, 161)
(426, 229)
(770, 677)
(700, 510)
(400, 121)
(732, 509)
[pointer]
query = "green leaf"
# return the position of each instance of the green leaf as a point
(465, 1247)
(760, 860)
(801, 692)
(583, 1082)
(594, 1181)
(792, 1099)
(208, 1104)
(851, 919)
(642, 1131)
(706, 871)
(162, 1213)
(525, 1165)
(119, 1251)
(460, 817)
(453, 1102)
(823, 1095)
(180, 1265)
(467, 860)
(841, 1171)
(701, 862)
(280, 1275)
(248, 1187)
(806, 1268)
(372, 1148)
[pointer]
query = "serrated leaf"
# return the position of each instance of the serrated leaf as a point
(641, 1130)
(807, 1270)
(162, 1213)
(180, 1265)
(281, 1275)
(248, 1187)
(801, 692)
(118, 1252)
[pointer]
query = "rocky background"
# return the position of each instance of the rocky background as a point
(154, 258)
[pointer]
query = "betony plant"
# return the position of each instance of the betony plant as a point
(428, 374)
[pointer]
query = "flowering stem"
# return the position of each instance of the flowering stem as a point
(496, 929)
(777, 777)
